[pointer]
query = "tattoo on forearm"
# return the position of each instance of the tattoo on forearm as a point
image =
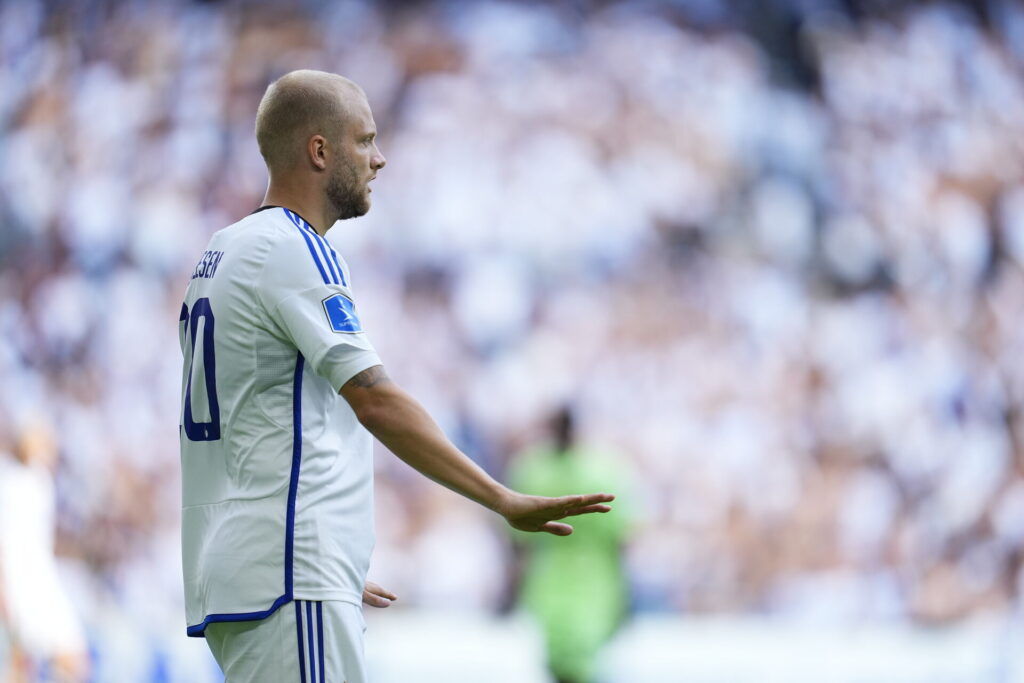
(370, 377)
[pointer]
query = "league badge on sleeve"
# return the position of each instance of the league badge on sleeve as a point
(341, 314)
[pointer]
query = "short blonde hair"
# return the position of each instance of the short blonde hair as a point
(295, 107)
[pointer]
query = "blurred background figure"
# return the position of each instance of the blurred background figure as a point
(576, 590)
(46, 639)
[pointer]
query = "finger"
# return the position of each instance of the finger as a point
(588, 509)
(556, 528)
(570, 502)
(592, 498)
(564, 502)
(375, 600)
(377, 589)
(384, 593)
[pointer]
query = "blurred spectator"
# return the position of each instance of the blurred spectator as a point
(782, 269)
(46, 635)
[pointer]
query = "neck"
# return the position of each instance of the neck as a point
(304, 200)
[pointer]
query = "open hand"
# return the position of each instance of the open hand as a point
(536, 513)
(375, 596)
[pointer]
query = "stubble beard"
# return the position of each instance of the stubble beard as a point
(345, 193)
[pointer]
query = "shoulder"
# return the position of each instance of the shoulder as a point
(302, 248)
(294, 258)
(268, 239)
(269, 226)
(253, 235)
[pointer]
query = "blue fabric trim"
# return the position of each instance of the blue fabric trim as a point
(309, 245)
(309, 630)
(302, 653)
(198, 630)
(320, 636)
(293, 484)
(337, 262)
(300, 222)
(323, 250)
(327, 259)
(293, 217)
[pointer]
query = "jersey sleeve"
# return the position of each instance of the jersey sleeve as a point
(303, 290)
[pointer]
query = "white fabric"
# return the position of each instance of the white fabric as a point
(265, 291)
(42, 620)
(293, 645)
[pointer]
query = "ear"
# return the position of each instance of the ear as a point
(316, 149)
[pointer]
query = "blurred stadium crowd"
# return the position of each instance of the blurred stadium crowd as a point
(772, 253)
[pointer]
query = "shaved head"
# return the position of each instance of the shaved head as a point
(299, 105)
(316, 132)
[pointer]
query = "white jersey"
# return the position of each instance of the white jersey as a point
(277, 475)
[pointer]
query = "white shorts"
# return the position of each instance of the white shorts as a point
(302, 642)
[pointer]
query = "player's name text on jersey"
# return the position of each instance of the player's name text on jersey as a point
(207, 265)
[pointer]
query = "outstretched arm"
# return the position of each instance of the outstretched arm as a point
(407, 430)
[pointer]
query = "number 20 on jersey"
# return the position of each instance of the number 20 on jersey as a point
(201, 316)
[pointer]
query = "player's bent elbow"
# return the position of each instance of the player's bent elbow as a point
(371, 415)
(375, 408)
(379, 404)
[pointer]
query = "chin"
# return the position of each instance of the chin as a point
(354, 210)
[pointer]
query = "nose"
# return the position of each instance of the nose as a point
(378, 161)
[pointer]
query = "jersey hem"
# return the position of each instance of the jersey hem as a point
(340, 373)
(333, 595)
(199, 630)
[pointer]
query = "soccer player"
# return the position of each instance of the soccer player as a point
(281, 392)
(577, 617)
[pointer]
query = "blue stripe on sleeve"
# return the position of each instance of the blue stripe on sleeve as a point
(316, 259)
(302, 654)
(323, 250)
(337, 262)
(320, 637)
(333, 257)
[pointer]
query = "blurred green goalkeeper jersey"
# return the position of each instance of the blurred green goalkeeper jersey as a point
(575, 585)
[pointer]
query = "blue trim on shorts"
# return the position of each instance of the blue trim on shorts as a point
(320, 636)
(198, 630)
(309, 630)
(302, 650)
